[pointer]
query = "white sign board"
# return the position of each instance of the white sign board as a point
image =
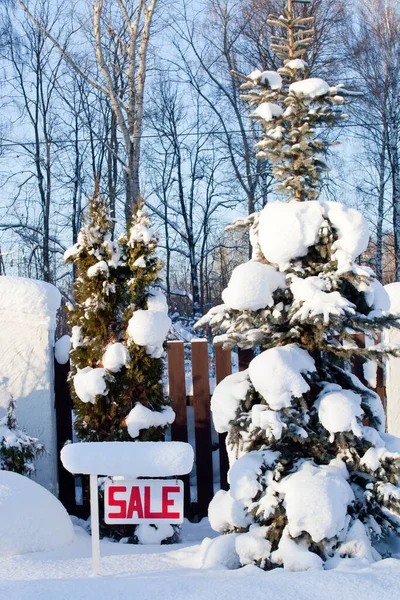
(143, 501)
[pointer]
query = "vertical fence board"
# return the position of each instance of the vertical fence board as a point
(245, 357)
(177, 393)
(202, 423)
(223, 367)
(63, 406)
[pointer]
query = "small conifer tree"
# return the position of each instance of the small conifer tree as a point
(18, 451)
(119, 323)
(313, 477)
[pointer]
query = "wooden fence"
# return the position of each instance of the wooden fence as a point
(187, 397)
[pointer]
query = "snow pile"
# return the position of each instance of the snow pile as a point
(219, 552)
(141, 417)
(316, 499)
(61, 349)
(339, 410)
(129, 459)
(23, 297)
(270, 78)
(251, 286)
(296, 64)
(310, 296)
(32, 519)
(97, 269)
(352, 231)
(228, 509)
(294, 555)
(89, 383)
(287, 229)
(224, 512)
(357, 544)
(226, 399)
(153, 534)
(149, 328)
(253, 546)
(311, 88)
(267, 111)
(115, 357)
(277, 374)
(157, 301)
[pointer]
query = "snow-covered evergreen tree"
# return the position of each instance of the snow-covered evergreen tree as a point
(119, 323)
(96, 322)
(18, 451)
(313, 476)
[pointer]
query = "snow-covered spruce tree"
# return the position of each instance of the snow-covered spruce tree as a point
(18, 451)
(313, 476)
(96, 322)
(119, 323)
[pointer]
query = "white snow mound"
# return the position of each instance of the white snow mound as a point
(32, 519)
(23, 296)
(352, 231)
(287, 229)
(295, 555)
(115, 357)
(129, 459)
(149, 328)
(224, 512)
(61, 349)
(251, 286)
(338, 411)
(267, 111)
(157, 301)
(226, 399)
(89, 383)
(277, 374)
(316, 500)
(141, 417)
(311, 88)
(296, 64)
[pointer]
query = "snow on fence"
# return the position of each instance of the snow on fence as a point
(192, 423)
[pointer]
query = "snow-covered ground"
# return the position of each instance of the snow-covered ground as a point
(176, 573)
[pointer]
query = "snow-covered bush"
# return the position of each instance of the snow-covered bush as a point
(313, 474)
(32, 519)
(18, 451)
(119, 323)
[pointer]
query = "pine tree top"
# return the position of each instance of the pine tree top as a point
(294, 111)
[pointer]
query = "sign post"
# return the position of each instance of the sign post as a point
(94, 524)
(129, 500)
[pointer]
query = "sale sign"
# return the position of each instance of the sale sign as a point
(143, 501)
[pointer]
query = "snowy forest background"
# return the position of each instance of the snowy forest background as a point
(189, 140)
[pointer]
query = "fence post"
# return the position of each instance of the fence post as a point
(63, 407)
(223, 367)
(202, 424)
(177, 393)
